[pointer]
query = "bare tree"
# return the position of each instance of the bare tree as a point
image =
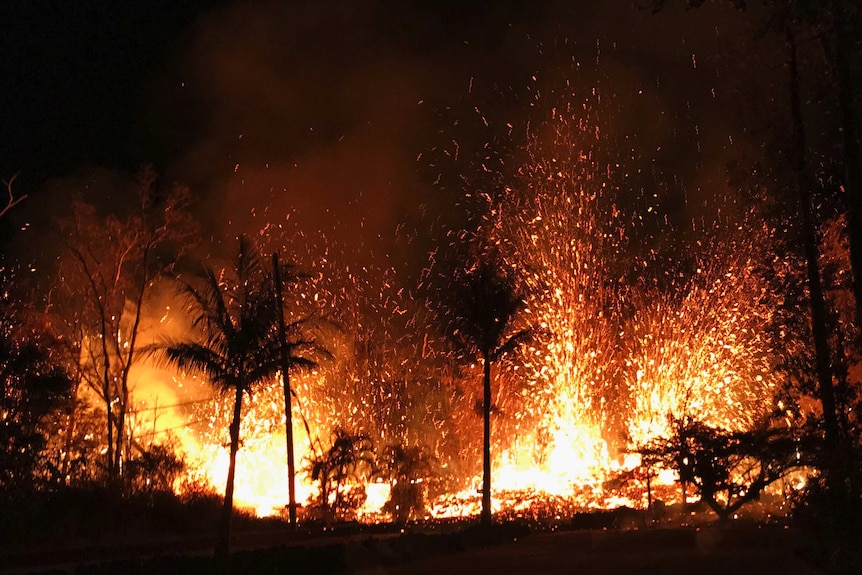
(12, 201)
(107, 268)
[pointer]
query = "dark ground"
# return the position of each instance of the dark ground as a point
(706, 551)
(737, 549)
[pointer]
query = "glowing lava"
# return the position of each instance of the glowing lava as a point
(623, 340)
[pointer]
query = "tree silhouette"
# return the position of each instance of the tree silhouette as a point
(295, 350)
(831, 23)
(234, 319)
(728, 469)
(107, 269)
(349, 458)
(32, 385)
(405, 468)
(481, 306)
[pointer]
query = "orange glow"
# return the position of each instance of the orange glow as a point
(620, 344)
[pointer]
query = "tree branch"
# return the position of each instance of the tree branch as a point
(12, 201)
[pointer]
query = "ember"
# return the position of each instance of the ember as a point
(623, 342)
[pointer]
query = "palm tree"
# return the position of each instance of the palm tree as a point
(234, 318)
(349, 458)
(406, 468)
(481, 307)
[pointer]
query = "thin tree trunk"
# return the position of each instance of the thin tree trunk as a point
(486, 440)
(120, 445)
(222, 548)
(71, 421)
(649, 490)
(106, 362)
(288, 410)
(324, 491)
(683, 485)
(110, 423)
(337, 502)
(107, 391)
(109, 412)
(124, 448)
(819, 328)
(850, 144)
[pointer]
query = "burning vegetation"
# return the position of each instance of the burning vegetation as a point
(569, 346)
(601, 348)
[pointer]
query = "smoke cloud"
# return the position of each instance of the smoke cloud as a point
(331, 114)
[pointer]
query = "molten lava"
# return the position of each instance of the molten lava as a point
(623, 340)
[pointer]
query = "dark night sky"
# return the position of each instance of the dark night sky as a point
(322, 108)
(73, 74)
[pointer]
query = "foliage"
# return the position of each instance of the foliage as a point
(154, 469)
(479, 309)
(727, 468)
(233, 319)
(32, 385)
(341, 471)
(107, 268)
(75, 438)
(406, 469)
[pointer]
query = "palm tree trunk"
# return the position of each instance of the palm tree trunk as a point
(223, 542)
(291, 461)
(288, 410)
(486, 440)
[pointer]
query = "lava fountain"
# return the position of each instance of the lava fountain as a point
(625, 337)
(625, 340)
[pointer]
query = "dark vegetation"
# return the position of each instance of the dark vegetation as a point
(726, 469)
(75, 471)
(366, 548)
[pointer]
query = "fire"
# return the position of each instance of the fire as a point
(623, 340)
(261, 483)
(704, 354)
(261, 480)
(617, 353)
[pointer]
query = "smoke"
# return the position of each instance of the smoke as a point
(351, 119)
(313, 114)
(317, 112)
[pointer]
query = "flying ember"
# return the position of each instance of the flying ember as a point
(625, 337)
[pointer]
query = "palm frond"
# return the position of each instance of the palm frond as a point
(482, 305)
(515, 341)
(197, 357)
